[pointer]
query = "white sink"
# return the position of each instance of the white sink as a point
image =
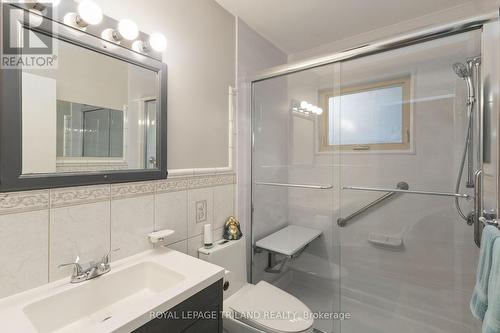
(119, 301)
(96, 301)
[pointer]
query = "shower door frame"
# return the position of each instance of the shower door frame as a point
(473, 23)
(489, 39)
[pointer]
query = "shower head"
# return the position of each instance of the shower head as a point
(465, 72)
(461, 70)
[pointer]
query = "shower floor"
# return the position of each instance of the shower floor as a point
(370, 313)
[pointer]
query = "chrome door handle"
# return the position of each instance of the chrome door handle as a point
(478, 209)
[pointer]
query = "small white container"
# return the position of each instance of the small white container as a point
(208, 237)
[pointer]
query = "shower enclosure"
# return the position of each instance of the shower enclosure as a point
(365, 147)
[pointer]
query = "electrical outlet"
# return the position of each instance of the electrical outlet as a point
(201, 211)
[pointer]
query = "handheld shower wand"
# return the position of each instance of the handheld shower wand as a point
(465, 72)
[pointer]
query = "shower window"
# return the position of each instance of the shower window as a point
(374, 116)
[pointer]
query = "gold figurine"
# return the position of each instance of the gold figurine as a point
(232, 230)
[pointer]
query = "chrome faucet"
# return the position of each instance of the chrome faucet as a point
(92, 270)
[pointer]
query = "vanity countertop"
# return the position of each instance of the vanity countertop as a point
(120, 301)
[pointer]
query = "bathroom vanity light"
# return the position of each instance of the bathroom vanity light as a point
(157, 42)
(40, 6)
(34, 18)
(88, 13)
(140, 46)
(127, 29)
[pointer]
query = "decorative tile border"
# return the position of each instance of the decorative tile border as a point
(19, 202)
(172, 185)
(225, 179)
(130, 190)
(209, 181)
(79, 195)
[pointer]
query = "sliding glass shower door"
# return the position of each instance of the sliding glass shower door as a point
(329, 143)
(293, 185)
(400, 121)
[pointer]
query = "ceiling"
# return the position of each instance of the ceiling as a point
(298, 25)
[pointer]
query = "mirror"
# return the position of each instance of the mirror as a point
(88, 131)
(93, 112)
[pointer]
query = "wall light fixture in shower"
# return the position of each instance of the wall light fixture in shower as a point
(305, 108)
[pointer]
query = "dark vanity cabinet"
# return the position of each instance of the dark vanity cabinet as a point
(201, 313)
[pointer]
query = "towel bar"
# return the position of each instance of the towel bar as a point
(493, 222)
(443, 194)
(316, 187)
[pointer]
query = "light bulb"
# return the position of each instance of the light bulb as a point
(35, 18)
(158, 42)
(128, 29)
(109, 34)
(70, 19)
(303, 104)
(319, 111)
(90, 12)
(310, 107)
(138, 46)
(40, 5)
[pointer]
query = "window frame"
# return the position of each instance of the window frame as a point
(325, 94)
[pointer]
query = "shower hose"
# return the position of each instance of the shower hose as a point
(470, 108)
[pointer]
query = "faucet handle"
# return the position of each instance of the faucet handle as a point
(78, 270)
(105, 259)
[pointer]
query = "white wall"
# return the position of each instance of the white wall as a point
(201, 67)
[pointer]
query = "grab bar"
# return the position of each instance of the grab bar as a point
(317, 187)
(443, 194)
(343, 221)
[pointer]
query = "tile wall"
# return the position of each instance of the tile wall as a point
(41, 229)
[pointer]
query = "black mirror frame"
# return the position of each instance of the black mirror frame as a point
(11, 177)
